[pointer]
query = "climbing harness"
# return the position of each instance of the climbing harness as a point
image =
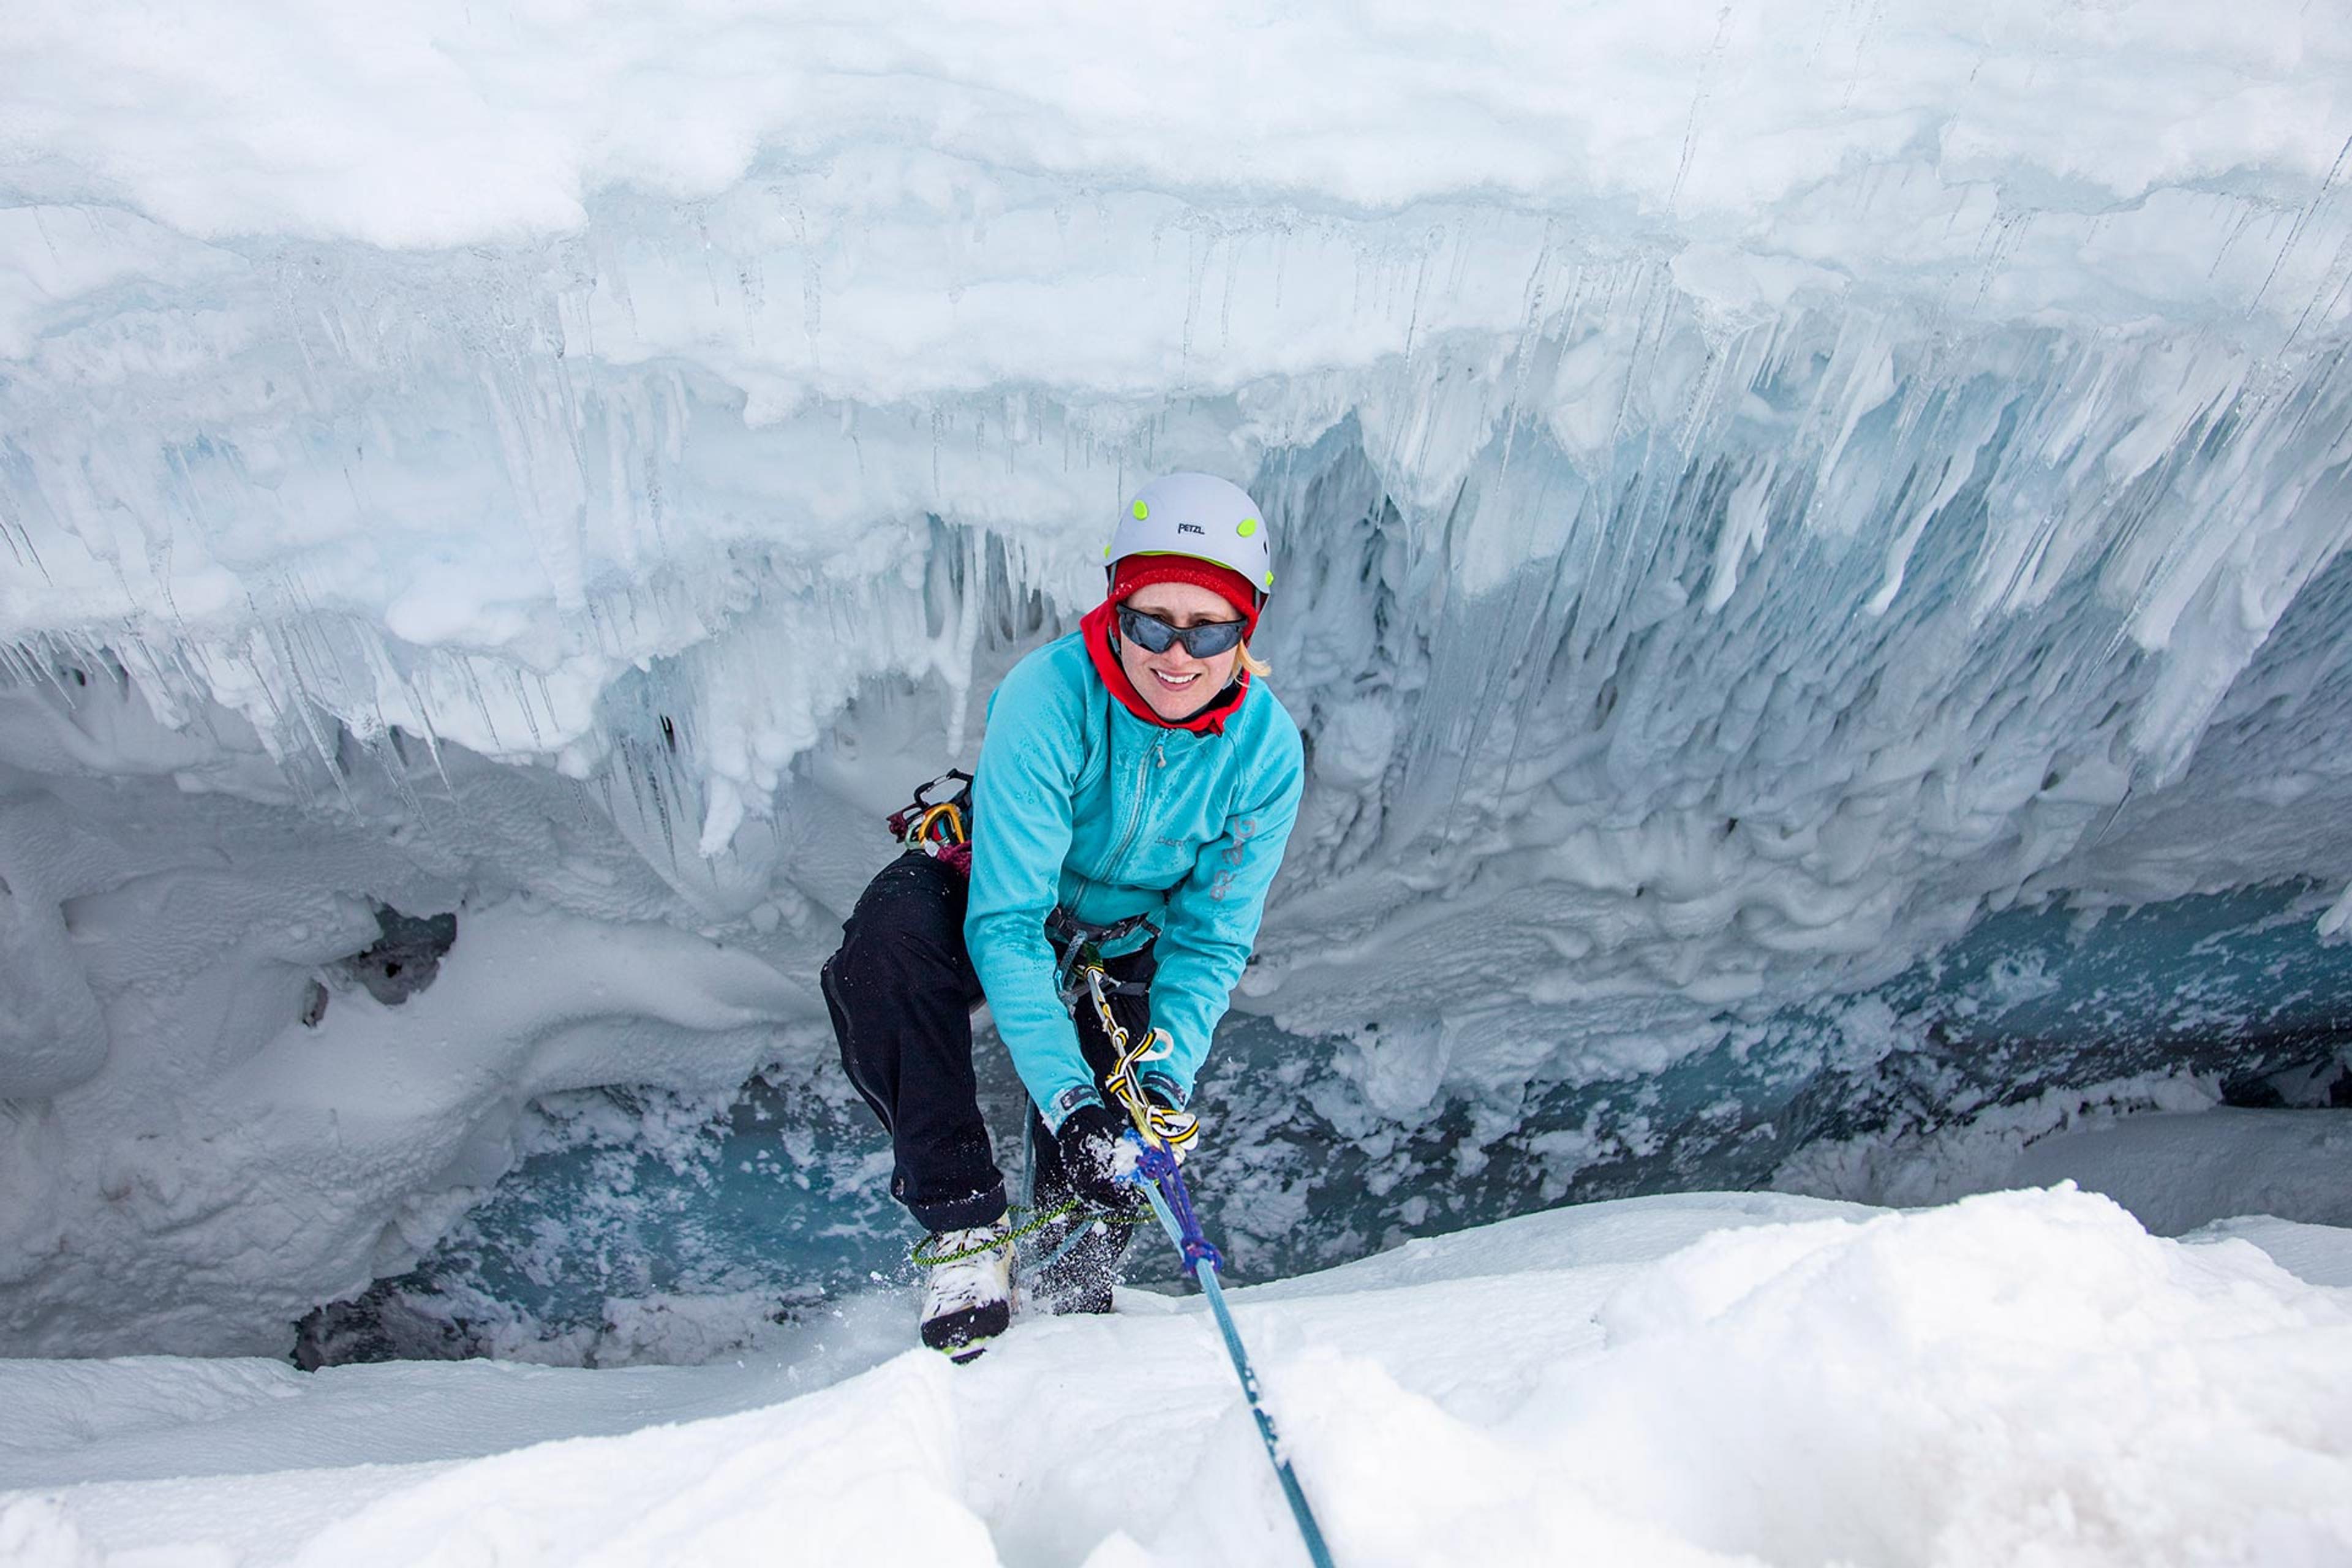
(1078, 948)
(1156, 1171)
(939, 827)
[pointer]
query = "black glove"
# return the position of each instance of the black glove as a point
(1087, 1142)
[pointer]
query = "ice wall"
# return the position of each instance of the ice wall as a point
(1757, 487)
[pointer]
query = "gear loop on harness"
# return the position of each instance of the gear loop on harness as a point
(939, 827)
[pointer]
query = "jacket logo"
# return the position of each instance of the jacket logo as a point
(1234, 855)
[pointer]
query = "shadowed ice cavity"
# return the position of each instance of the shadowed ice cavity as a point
(637, 1203)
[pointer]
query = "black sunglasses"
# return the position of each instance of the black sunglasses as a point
(1156, 635)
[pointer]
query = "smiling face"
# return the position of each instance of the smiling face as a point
(1174, 683)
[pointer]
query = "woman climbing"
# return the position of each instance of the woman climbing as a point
(1136, 787)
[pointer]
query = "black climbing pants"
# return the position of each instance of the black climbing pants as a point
(901, 990)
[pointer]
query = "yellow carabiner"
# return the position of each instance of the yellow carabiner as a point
(923, 828)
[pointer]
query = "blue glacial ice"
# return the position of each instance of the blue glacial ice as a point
(1770, 512)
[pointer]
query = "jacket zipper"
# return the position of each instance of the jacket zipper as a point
(1135, 823)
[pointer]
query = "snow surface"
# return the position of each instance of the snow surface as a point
(2022, 1378)
(1757, 489)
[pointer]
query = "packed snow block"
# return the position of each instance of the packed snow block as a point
(406, 959)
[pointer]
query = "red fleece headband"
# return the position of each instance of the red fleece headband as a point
(1134, 571)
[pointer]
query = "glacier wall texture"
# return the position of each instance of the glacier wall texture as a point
(1757, 489)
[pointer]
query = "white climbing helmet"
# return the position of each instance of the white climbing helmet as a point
(1202, 516)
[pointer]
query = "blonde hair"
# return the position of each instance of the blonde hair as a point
(1253, 664)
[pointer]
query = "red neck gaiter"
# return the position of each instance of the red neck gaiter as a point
(1096, 627)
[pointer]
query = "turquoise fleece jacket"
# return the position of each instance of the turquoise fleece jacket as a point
(1081, 804)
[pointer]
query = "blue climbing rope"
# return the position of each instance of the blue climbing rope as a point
(1165, 1185)
(1157, 1134)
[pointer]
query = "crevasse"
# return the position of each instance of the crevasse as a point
(1733, 538)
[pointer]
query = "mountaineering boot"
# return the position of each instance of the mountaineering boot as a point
(968, 1295)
